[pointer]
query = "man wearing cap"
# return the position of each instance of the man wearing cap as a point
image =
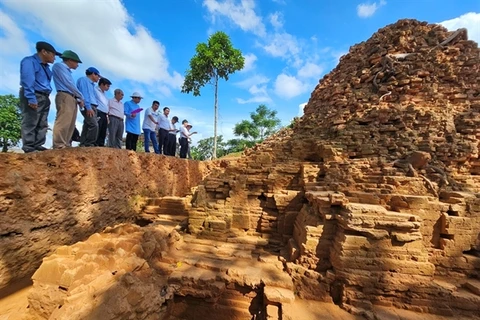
(86, 85)
(35, 78)
(102, 110)
(115, 118)
(132, 121)
(150, 121)
(163, 130)
(66, 99)
(184, 136)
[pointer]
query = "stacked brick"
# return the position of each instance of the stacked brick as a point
(373, 192)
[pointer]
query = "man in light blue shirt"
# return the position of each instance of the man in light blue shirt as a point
(66, 99)
(132, 121)
(35, 77)
(86, 85)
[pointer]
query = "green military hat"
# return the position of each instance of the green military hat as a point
(69, 54)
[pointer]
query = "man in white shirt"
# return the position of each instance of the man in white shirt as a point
(102, 110)
(184, 136)
(163, 130)
(150, 121)
(172, 137)
(115, 120)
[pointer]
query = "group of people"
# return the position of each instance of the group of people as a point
(101, 115)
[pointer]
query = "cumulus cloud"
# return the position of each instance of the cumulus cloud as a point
(310, 70)
(105, 35)
(242, 13)
(289, 86)
(366, 10)
(470, 21)
(250, 59)
(301, 108)
(257, 87)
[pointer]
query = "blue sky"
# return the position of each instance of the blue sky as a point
(146, 46)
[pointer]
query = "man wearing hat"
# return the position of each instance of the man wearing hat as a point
(86, 85)
(184, 136)
(132, 121)
(66, 99)
(35, 78)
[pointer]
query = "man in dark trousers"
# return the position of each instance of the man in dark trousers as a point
(86, 85)
(35, 78)
(102, 110)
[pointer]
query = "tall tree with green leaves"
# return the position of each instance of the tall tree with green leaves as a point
(214, 60)
(263, 123)
(10, 122)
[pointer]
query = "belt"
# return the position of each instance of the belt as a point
(69, 93)
(46, 94)
(111, 115)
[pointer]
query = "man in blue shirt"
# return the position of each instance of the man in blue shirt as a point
(86, 85)
(35, 78)
(66, 99)
(132, 121)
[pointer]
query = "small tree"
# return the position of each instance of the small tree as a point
(212, 61)
(264, 122)
(10, 122)
(204, 148)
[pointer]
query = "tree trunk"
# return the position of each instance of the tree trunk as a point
(214, 154)
(4, 145)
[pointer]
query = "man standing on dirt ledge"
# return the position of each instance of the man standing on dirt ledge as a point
(86, 85)
(35, 78)
(66, 100)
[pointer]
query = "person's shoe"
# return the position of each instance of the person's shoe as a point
(41, 148)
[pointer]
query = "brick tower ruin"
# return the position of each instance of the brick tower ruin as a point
(372, 196)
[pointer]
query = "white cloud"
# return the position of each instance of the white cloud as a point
(289, 86)
(14, 41)
(108, 37)
(257, 87)
(301, 108)
(276, 20)
(250, 59)
(283, 45)
(366, 10)
(470, 20)
(242, 14)
(310, 70)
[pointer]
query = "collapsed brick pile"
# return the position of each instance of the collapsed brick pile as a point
(372, 196)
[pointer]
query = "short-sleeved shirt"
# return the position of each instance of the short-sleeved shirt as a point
(147, 122)
(184, 132)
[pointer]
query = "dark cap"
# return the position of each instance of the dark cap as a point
(69, 54)
(42, 45)
(91, 70)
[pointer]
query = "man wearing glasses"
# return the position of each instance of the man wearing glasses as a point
(35, 78)
(86, 85)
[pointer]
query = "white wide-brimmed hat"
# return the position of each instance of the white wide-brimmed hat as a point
(136, 95)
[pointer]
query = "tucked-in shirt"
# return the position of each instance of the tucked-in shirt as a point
(34, 76)
(132, 125)
(184, 132)
(147, 122)
(163, 122)
(87, 88)
(115, 108)
(174, 128)
(63, 79)
(102, 100)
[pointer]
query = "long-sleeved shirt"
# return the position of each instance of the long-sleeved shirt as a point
(63, 79)
(102, 100)
(132, 125)
(34, 76)
(115, 108)
(87, 88)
